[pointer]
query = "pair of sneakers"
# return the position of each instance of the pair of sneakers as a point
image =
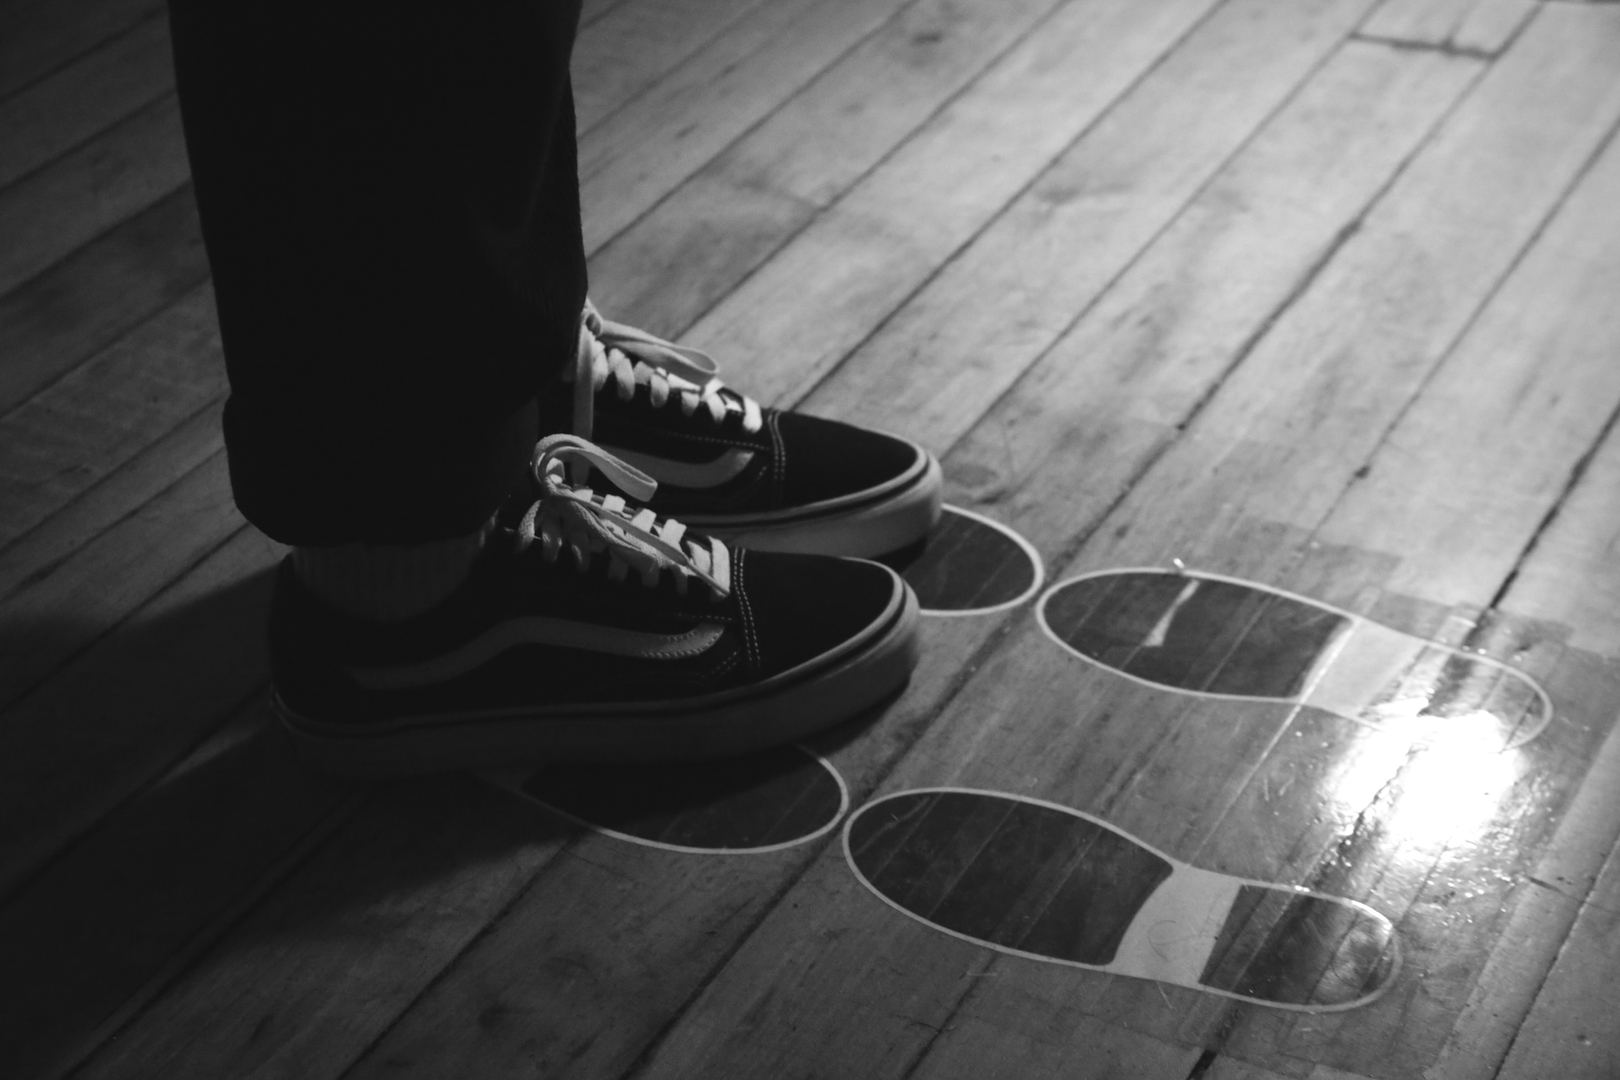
(671, 588)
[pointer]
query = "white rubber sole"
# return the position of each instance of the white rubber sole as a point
(884, 523)
(791, 706)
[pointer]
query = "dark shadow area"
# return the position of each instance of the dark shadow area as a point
(120, 838)
(118, 714)
(763, 800)
(157, 824)
(965, 565)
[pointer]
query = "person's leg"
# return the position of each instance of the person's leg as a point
(389, 200)
(391, 209)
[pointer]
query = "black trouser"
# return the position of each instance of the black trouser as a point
(390, 203)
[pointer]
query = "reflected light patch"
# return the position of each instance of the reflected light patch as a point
(1447, 781)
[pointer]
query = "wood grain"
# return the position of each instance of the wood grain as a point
(1462, 483)
(1378, 307)
(1570, 576)
(39, 36)
(1087, 1049)
(85, 303)
(1221, 282)
(1476, 27)
(738, 79)
(78, 196)
(130, 706)
(144, 477)
(817, 298)
(423, 1041)
(432, 855)
(87, 423)
(710, 233)
(995, 739)
(1571, 1030)
(139, 890)
(999, 304)
(59, 611)
(42, 122)
(628, 49)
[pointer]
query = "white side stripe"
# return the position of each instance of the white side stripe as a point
(688, 474)
(540, 630)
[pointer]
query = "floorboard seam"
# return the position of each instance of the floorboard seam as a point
(1023, 189)
(720, 32)
(600, 15)
(114, 122)
(855, 182)
(755, 126)
(1249, 343)
(72, 841)
(215, 930)
(136, 212)
(1576, 473)
(44, 569)
(910, 735)
(936, 1033)
(1444, 48)
(1449, 350)
(1541, 982)
(102, 43)
(98, 636)
(184, 291)
(490, 926)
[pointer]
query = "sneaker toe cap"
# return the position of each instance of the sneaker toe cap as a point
(829, 460)
(805, 607)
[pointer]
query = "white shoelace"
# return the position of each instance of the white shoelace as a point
(588, 524)
(632, 357)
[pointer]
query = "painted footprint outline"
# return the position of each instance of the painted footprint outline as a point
(1356, 661)
(1218, 914)
(930, 581)
(523, 784)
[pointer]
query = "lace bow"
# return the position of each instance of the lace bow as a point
(632, 357)
(633, 538)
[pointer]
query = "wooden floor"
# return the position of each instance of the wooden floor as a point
(1319, 294)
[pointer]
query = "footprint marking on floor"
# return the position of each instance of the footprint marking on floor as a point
(970, 565)
(1043, 881)
(734, 806)
(1222, 637)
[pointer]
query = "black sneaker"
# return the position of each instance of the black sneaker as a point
(593, 631)
(754, 476)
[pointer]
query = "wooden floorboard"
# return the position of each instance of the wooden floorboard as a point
(55, 209)
(663, 137)
(822, 294)
(631, 47)
(787, 950)
(934, 367)
(86, 424)
(1552, 898)
(1567, 578)
(88, 301)
(723, 223)
(432, 856)
(37, 125)
(1471, 27)
(1571, 1030)
(138, 895)
(129, 707)
(1358, 340)
(37, 37)
(1309, 293)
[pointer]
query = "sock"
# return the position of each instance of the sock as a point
(387, 583)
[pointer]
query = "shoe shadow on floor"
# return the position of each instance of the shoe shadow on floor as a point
(159, 832)
(756, 803)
